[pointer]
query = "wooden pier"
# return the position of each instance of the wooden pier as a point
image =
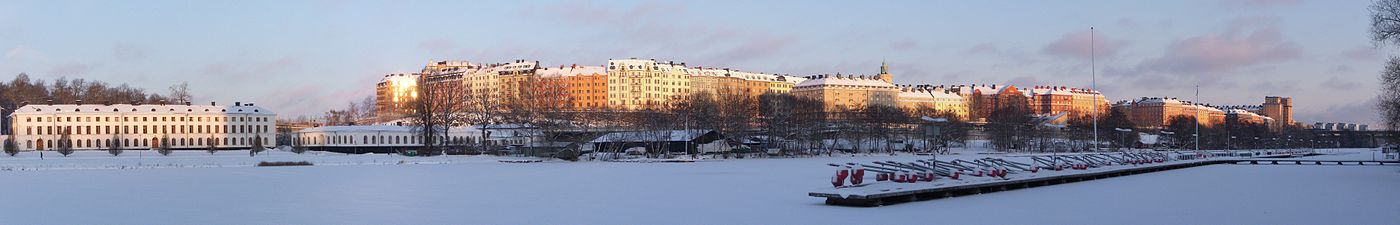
(835, 197)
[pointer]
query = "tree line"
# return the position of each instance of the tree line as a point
(772, 122)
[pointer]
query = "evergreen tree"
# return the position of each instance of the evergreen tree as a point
(116, 147)
(65, 144)
(257, 145)
(10, 147)
(164, 147)
(212, 146)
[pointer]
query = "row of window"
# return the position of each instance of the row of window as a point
(142, 143)
(373, 140)
(141, 119)
(146, 129)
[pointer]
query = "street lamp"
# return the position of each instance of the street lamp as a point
(1121, 137)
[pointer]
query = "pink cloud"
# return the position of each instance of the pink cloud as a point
(1246, 43)
(1336, 83)
(1077, 45)
(755, 47)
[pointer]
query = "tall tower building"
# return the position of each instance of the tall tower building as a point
(885, 73)
(1280, 109)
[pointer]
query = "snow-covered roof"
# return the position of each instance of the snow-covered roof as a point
(362, 128)
(501, 131)
(649, 136)
(1061, 90)
(966, 90)
(927, 93)
(399, 77)
(40, 109)
(849, 80)
(570, 71)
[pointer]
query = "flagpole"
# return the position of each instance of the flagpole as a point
(1198, 119)
(1094, 84)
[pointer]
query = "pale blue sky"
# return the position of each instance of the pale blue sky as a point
(304, 57)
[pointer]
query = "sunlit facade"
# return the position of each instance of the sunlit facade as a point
(99, 127)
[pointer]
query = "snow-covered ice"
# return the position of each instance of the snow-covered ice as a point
(375, 189)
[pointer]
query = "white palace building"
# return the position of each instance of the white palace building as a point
(100, 126)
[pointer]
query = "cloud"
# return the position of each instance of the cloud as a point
(1247, 42)
(1023, 81)
(127, 51)
(1336, 83)
(24, 53)
(904, 44)
(1343, 69)
(1366, 53)
(1274, 86)
(663, 30)
(1363, 112)
(71, 69)
(983, 48)
(1077, 45)
(235, 71)
(587, 12)
(754, 48)
(1127, 23)
(437, 45)
(1257, 4)
(991, 49)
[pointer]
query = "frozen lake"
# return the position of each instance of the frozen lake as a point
(479, 190)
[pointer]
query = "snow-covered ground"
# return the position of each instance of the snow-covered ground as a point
(376, 189)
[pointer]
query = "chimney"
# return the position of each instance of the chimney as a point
(79, 101)
(187, 103)
(237, 103)
(211, 103)
(50, 101)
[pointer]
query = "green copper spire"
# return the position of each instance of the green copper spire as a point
(884, 67)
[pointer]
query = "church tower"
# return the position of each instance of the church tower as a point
(885, 73)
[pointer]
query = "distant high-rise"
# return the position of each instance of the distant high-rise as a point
(393, 93)
(1280, 109)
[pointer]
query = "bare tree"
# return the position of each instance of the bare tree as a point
(367, 109)
(180, 93)
(1385, 29)
(1389, 101)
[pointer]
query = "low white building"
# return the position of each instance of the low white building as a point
(394, 138)
(357, 139)
(99, 126)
